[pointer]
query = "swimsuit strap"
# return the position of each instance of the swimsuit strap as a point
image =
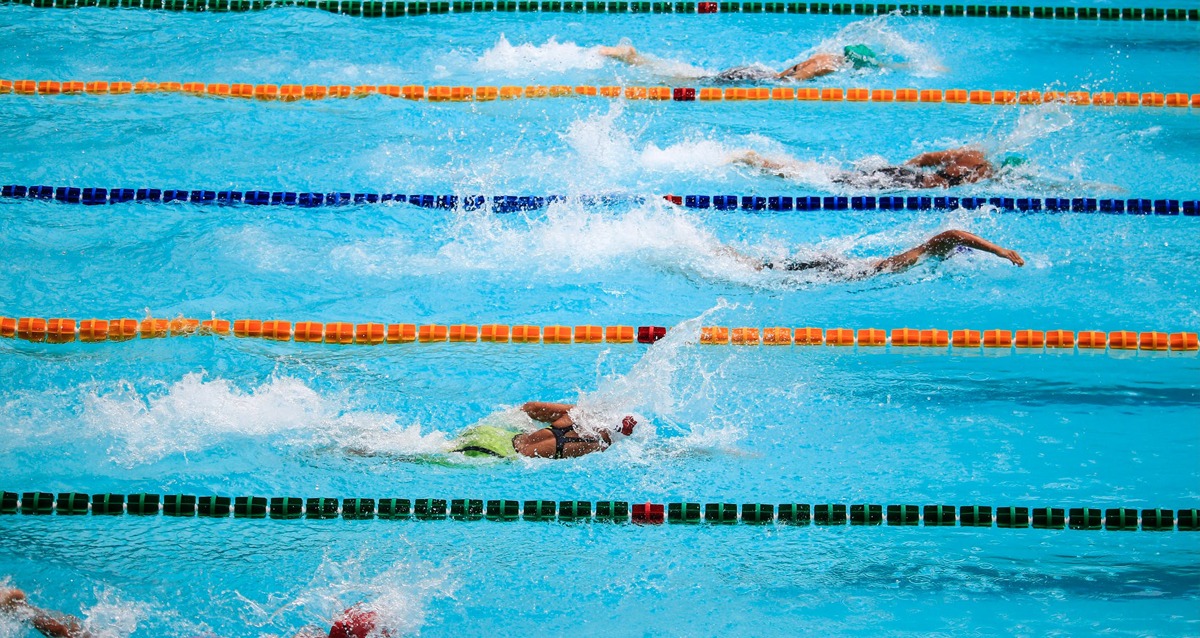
(952, 180)
(476, 448)
(561, 439)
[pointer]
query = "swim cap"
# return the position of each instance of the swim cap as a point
(861, 56)
(1013, 160)
(354, 623)
(627, 425)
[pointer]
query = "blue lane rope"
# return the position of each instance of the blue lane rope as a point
(512, 203)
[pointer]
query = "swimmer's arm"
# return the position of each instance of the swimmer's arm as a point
(624, 53)
(935, 158)
(752, 159)
(818, 65)
(546, 412)
(941, 245)
(941, 158)
(729, 251)
(54, 625)
(47, 623)
(67, 628)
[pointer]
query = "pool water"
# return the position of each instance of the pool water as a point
(239, 417)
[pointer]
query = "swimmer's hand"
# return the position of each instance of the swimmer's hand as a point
(623, 53)
(754, 160)
(11, 599)
(1012, 256)
(749, 158)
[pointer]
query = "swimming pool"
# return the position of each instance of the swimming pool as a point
(722, 424)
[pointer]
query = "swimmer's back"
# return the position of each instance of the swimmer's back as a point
(487, 440)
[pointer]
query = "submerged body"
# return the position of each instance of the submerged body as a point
(855, 56)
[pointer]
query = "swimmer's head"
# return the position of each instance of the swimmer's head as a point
(627, 425)
(1013, 160)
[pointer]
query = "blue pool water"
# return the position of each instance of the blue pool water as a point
(206, 415)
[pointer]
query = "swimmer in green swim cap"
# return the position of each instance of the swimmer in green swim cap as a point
(558, 440)
(854, 56)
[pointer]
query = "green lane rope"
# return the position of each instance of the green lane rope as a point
(459, 509)
(391, 9)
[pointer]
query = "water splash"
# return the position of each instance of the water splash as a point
(529, 59)
(194, 415)
(400, 595)
(1033, 125)
(897, 51)
(672, 381)
(112, 616)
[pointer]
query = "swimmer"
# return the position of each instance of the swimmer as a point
(854, 56)
(941, 246)
(354, 622)
(55, 625)
(938, 169)
(558, 440)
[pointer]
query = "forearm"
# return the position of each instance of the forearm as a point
(546, 412)
(754, 160)
(935, 158)
(947, 241)
(62, 627)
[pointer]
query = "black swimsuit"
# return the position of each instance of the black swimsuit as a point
(561, 440)
(749, 73)
(896, 177)
(822, 264)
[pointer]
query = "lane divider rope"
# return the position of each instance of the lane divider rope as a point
(258, 507)
(60, 330)
(391, 9)
(514, 203)
(416, 92)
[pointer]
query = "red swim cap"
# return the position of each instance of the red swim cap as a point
(627, 425)
(354, 623)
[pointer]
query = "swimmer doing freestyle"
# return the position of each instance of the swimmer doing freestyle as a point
(941, 246)
(558, 440)
(354, 622)
(854, 56)
(937, 169)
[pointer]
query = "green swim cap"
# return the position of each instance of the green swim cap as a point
(1013, 160)
(861, 56)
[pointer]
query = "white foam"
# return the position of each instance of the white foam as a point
(400, 594)
(195, 414)
(909, 54)
(526, 58)
(112, 616)
(1033, 125)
